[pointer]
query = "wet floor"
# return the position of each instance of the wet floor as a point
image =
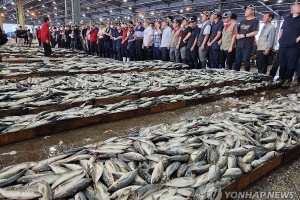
(283, 178)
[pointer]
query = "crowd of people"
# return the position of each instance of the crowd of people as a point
(23, 36)
(221, 42)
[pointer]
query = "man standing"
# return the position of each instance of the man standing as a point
(93, 40)
(147, 40)
(101, 49)
(139, 35)
(107, 41)
(38, 35)
(183, 41)
(247, 31)
(25, 35)
(203, 39)
(131, 43)
(20, 35)
(289, 46)
(167, 31)
(118, 41)
(124, 43)
(192, 49)
(215, 36)
(265, 43)
(45, 38)
(83, 34)
(170, 21)
(228, 41)
(114, 32)
(68, 38)
(174, 41)
(157, 39)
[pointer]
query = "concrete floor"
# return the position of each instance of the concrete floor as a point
(283, 178)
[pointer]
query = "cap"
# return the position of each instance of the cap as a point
(251, 6)
(130, 25)
(157, 20)
(165, 20)
(148, 21)
(185, 18)
(193, 19)
(139, 20)
(226, 14)
(101, 23)
(216, 12)
(178, 21)
(205, 13)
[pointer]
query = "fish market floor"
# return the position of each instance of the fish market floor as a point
(283, 179)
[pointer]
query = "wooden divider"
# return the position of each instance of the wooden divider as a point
(71, 124)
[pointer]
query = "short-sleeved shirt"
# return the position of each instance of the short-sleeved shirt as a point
(215, 28)
(247, 26)
(131, 37)
(139, 32)
(194, 35)
(156, 38)
(184, 34)
(165, 37)
(125, 36)
(291, 30)
(147, 32)
(119, 41)
(83, 32)
(207, 29)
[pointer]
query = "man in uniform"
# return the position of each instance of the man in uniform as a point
(191, 48)
(203, 39)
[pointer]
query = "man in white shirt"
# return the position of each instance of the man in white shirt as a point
(147, 40)
(101, 49)
(165, 40)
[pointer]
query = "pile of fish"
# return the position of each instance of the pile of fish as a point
(73, 66)
(45, 91)
(12, 49)
(17, 123)
(177, 161)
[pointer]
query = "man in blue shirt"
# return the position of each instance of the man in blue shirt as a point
(131, 42)
(118, 41)
(289, 46)
(113, 37)
(139, 36)
(191, 47)
(216, 34)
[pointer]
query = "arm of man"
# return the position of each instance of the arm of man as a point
(179, 39)
(150, 40)
(159, 31)
(187, 37)
(196, 40)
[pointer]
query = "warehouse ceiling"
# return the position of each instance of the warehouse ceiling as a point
(116, 10)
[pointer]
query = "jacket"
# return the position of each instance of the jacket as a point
(45, 33)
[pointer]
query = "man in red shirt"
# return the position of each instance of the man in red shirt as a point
(93, 39)
(124, 43)
(38, 35)
(45, 38)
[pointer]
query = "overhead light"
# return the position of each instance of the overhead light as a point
(152, 13)
(83, 15)
(58, 23)
(13, 3)
(54, 2)
(55, 7)
(88, 8)
(125, 0)
(2, 14)
(100, 19)
(110, 10)
(130, 8)
(43, 6)
(27, 10)
(181, 10)
(32, 14)
(4, 7)
(187, 9)
(55, 14)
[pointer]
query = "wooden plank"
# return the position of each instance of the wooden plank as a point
(222, 96)
(59, 107)
(142, 111)
(158, 93)
(262, 89)
(291, 154)
(236, 82)
(111, 100)
(67, 125)
(119, 116)
(165, 107)
(9, 138)
(13, 112)
(183, 90)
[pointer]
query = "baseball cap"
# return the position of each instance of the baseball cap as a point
(178, 21)
(251, 6)
(148, 21)
(193, 19)
(185, 18)
(216, 12)
(157, 20)
(139, 20)
(226, 14)
(130, 25)
(165, 20)
(205, 13)
(101, 23)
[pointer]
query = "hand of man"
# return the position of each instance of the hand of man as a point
(47, 41)
(168, 47)
(242, 36)
(177, 47)
(219, 42)
(202, 48)
(298, 39)
(209, 44)
(192, 49)
(230, 50)
(238, 36)
(267, 51)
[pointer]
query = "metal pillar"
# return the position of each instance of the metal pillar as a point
(21, 13)
(90, 21)
(221, 5)
(1, 21)
(66, 12)
(76, 11)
